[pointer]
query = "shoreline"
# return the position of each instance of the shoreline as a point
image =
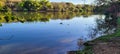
(108, 44)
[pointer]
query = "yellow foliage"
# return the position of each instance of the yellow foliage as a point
(2, 3)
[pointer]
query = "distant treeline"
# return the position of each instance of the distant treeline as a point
(43, 6)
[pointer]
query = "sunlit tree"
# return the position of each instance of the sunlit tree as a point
(2, 3)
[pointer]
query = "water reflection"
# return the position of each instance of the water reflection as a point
(0, 24)
(35, 16)
(105, 25)
(50, 33)
(9, 38)
(80, 44)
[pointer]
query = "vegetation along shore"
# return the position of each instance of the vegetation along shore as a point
(106, 44)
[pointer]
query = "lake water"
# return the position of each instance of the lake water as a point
(46, 33)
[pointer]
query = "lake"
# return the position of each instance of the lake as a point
(49, 33)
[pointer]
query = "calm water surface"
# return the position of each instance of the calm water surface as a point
(54, 36)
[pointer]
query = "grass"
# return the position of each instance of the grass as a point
(87, 50)
(106, 38)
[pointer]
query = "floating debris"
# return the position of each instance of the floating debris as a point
(61, 23)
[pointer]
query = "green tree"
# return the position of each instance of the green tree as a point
(2, 3)
(45, 4)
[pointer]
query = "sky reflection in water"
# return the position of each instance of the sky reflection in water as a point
(45, 37)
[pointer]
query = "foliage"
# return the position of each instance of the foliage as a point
(107, 27)
(32, 5)
(87, 50)
(29, 5)
(69, 7)
(8, 17)
(0, 24)
(105, 2)
(2, 4)
(45, 6)
(107, 6)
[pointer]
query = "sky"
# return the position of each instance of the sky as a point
(74, 1)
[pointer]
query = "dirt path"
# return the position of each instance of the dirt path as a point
(111, 47)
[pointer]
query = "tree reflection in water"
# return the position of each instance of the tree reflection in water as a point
(0, 24)
(105, 26)
(22, 17)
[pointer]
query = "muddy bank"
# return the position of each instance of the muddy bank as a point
(111, 46)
